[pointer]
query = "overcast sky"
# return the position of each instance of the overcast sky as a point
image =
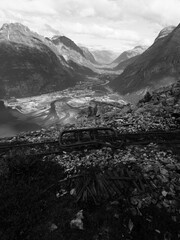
(105, 24)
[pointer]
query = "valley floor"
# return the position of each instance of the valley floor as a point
(62, 107)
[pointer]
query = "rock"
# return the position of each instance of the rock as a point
(130, 225)
(170, 101)
(171, 166)
(77, 222)
(164, 193)
(115, 203)
(163, 171)
(73, 192)
(53, 227)
(167, 236)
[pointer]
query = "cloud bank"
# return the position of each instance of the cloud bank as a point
(112, 24)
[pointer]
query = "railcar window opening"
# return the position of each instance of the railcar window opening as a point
(87, 136)
(84, 136)
(106, 135)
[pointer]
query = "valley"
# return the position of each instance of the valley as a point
(69, 81)
(58, 109)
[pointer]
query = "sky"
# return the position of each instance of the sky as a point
(115, 25)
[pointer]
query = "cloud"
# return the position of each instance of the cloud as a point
(29, 6)
(87, 12)
(117, 23)
(96, 30)
(168, 11)
(156, 11)
(52, 31)
(100, 8)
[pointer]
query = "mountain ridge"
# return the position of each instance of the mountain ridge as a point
(30, 64)
(157, 66)
(68, 42)
(129, 54)
(73, 53)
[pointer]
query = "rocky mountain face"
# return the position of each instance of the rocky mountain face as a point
(104, 56)
(130, 54)
(67, 43)
(72, 53)
(88, 55)
(158, 66)
(164, 32)
(30, 64)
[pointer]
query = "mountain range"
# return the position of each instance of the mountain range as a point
(127, 57)
(31, 64)
(73, 53)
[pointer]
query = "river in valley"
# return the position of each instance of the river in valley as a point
(53, 109)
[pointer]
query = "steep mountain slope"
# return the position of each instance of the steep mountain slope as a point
(104, 56)
(129, 54)
(164, 32)
(30, 64)
(158, 66)
(68, 43)
(122, 65)
(88, 55)
(72, 53)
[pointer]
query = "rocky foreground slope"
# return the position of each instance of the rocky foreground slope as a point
(130, 193)
(158, 66)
